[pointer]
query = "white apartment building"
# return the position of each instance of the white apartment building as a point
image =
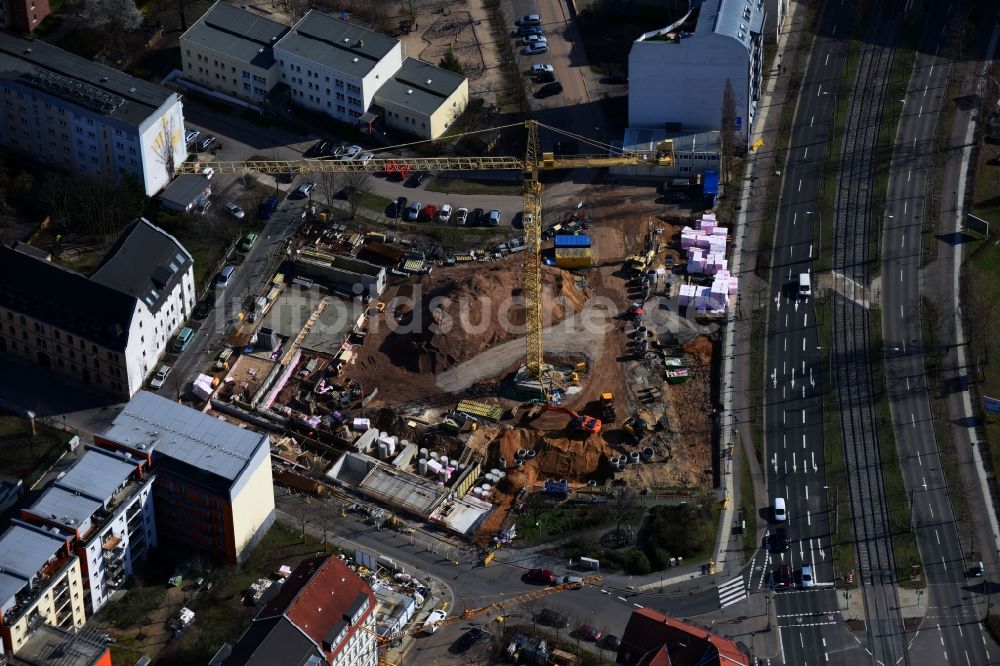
(229, 49)
(109, 330)
(334, 66)
(40, 584)
(78, 115)
(105, 504)
(677, 75)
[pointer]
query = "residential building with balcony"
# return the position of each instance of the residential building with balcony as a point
(323, 614)
(677, 75)
(40, 583)
(229, 49)
(84, 117)
(109, 330)
(213, 491)
(104, 503)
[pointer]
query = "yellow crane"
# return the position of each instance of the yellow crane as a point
(533, 162)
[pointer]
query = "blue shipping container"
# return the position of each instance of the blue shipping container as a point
(579, 240)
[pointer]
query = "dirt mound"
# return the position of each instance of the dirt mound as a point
(451, 316)
(556, 456)
(700, 349)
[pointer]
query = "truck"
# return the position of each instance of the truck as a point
(608, 406)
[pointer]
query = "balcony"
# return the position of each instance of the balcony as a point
(29, 594)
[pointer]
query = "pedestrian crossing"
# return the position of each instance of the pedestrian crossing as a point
(732, 592)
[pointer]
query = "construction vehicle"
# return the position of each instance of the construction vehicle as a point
(587, 424)
(636, 426)
(608, 406)
(533, 162)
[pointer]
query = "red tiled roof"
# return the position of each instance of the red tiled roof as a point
(653, 639)
(317, 595)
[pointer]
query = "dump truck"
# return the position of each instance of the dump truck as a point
(608, 406)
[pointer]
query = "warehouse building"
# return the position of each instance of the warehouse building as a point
(213, 490)
(78, 115)
(677, 75)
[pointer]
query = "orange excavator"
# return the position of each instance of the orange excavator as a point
(587, 424)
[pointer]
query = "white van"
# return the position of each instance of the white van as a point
(779, 509)
(805, 285)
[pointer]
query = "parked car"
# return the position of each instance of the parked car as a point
(535, 48)
(609, 642)
(806, 576)
(318, 149)
(206, 143)
(783, 577)
(160, 377)
(541, 576)
(203, 207)
(779, 509)
(190, 136)
(267, 208)
(366, 157)
(234, 210)
(205, 306)
(415, 179)
(477, 216)
(427, 213)
(589, 633)
(543, 73)
(305, 189)
(529, 20)
(494, 218)
(350, 153)
(413, 212)
(550, 618)
(399, 207)
(532, 39)
(208, 172)
(461, 216)
(466, 640)
(444, 213)
(549, 89)
(248, 240)
(526, 30)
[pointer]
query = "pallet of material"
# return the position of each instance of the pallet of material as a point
(480, 409)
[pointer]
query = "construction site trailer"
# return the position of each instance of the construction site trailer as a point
(572, 240)
(481, 409)
(574, 257)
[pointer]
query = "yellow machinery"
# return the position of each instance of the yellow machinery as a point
(533, 162)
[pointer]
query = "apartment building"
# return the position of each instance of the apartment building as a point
(323, 64)
(106, 331)
(23, 15)
(104, 504)
(213, 491)
(78, 115)
(40, 584)
(229, 49)
(677, 75)
(334, 66)
(323, 614)
(422, 99)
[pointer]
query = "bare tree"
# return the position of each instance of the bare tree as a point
(356, 185)
(623, 500)
(330, 183)
(728, 131)
(117, 16)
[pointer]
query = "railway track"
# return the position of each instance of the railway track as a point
(852, 352)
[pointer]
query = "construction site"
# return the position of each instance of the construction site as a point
(451, 395)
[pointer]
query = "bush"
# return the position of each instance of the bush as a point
(682, 531)
(630, 560)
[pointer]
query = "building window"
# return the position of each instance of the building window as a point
(341, 108)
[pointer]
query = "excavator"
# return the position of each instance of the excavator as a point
(582, 422)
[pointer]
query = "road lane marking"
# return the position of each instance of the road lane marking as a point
(795, 218)
(811, 119)
(921, 111)
(803, 440)
(931, 508)
(913, 420)
(803, 344)
(805, 153)
(905, 206)
(810, 250)
(803, 416)
(945, 565)
(800, 184)
(925, 91)
(808, 516)
(805, 318)
(732, 592)
(786, 344)
(900, 274)
(819, 90)
(908, 174)
(900, 311)
(827, 61)
(807, 494)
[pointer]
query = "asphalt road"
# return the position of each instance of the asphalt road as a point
(808, 620)
(953, 611)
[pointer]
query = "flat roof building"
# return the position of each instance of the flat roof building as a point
(79, 115)
(423, 99)
(185, 192)
(213, 491)
(349, 275)
(677, 75)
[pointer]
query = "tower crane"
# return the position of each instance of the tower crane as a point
(533, 162)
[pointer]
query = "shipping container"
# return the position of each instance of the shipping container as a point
(577, 240)
(574, 257)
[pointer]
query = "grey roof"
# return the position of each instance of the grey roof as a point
(729, 17)
(336, 44)
(53, 646)
(238, 33)
(93, 86)
(146, 262)
(183, 190)
(97, 474)
(24, 551)
(273, 640)
(184, 434)
(420, 86)
(10, 586)
(69, 509)
(65, 299)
